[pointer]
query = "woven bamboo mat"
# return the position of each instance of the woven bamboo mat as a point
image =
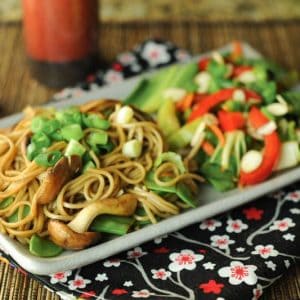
(277, 40)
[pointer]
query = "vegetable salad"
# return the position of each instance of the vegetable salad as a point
(238, 116)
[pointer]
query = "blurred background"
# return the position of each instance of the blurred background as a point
(166, 10)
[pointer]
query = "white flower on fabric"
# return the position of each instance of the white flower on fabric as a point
(257, 292)
(113, 262)
(160, 274)
(221, 241)
(186, 259)
(283, 225)
(270, 265)
(141, 294)
(159, 239)
(293, 196)
(265, 251)
(240, 249)
(128, 283)
(295, 211)
(287, 263)
(155, 54)
(182, 55)
(66, 296)
(210, 224)
(78, 283)
(101, 277)
(112, 76)
(209, 266)
(289, 237)
(126, 58)
(60, 277)
(236, 226)
(137, 252)
(237, 273)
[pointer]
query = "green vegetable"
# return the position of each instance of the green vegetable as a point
(41, 124)
(88, 165)
(48, 159)
(69, 116)
(97, 138)
(6, 202)
(72, 132)
(166, 118)
(43, 248)
(74, 148)
(148, 95)
(216, 69)
(32, 151)
(15, 216)
(150, 184)
(267, 89)
(94, 121)
(184, 135)
(112, 224)
(184, 193)
(40, 140)
(108, 147)
(293, 98)
(171, 157)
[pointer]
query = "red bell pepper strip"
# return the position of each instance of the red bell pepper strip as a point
(209, 102)
(230, 121)
(203, 63)
(271, 151)
(185, 103)
(238, 70)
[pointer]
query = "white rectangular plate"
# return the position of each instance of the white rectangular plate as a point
(211, 202)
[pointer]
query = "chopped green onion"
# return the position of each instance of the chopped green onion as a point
(69, 116)
(94, 121)
(48, 159)
(132, 148)
(74, 148)
(97, 138)
(6, 202)
(72, 132)
(88, 165)
(41, 140)
(56, 136)
(108, 147)
(32, 151)
(41, 124)
(112, 224)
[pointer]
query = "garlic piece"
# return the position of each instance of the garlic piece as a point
(203, 80)
(174, 94)
(251, 160)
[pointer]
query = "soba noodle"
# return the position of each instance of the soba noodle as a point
(22, 216)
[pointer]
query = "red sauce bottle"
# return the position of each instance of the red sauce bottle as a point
(60, 39)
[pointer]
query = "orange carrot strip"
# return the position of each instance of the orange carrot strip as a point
(185, 103)
(208, 148)
(217, 131)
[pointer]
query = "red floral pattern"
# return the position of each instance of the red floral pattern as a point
(211, 287)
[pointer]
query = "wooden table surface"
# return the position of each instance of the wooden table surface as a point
(277, 40)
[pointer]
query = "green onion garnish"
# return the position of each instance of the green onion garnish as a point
(97, 138)
(75, 148)
(94, 121)
(72, 132)
(40, 140)
(48, 159)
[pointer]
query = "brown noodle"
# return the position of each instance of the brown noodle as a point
(115, 174)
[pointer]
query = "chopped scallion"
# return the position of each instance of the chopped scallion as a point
(97, 138)
(72, 132)
(48, 159)
(94, 121)
(74, 148)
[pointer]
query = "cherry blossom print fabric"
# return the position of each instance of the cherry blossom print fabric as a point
(232, 256)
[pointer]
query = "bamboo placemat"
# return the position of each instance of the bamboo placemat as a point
(277, 40)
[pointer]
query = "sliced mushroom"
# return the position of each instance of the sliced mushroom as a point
(62, 235)
(74, 236)
(125, 205)
(56, 177)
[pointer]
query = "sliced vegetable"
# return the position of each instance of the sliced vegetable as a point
(94, 121)
(184, 193)
(72, 132)
(112, 224)
(167, 119)
(271, 153)
(251, 160)
(88, 165)
(48, 159)
(97, 138)
(6, 202)
(230, 121)
(289, 156)
(69, 116)
(75, 148)
(124, 115)
(44, 248)
(132, 149)
(41, 124)
(171, 157)
(16, 216)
